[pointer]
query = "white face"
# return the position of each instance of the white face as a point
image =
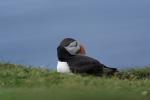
(73, 48)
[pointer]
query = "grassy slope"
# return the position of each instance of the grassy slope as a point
(21, 83)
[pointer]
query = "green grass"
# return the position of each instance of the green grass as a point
(18, 82)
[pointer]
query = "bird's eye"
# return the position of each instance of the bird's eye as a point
(76, 44)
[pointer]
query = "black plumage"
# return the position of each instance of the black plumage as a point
(82, 64)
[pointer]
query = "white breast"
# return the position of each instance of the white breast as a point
(63, 67)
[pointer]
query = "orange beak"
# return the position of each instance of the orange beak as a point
(82, 50)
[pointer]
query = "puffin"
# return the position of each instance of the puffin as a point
(72, 59)
(75, 48)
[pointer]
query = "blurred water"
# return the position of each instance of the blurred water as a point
(113, 31)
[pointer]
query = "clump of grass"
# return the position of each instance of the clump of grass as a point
(135, 73)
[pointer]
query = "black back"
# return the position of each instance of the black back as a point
(84, 64)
